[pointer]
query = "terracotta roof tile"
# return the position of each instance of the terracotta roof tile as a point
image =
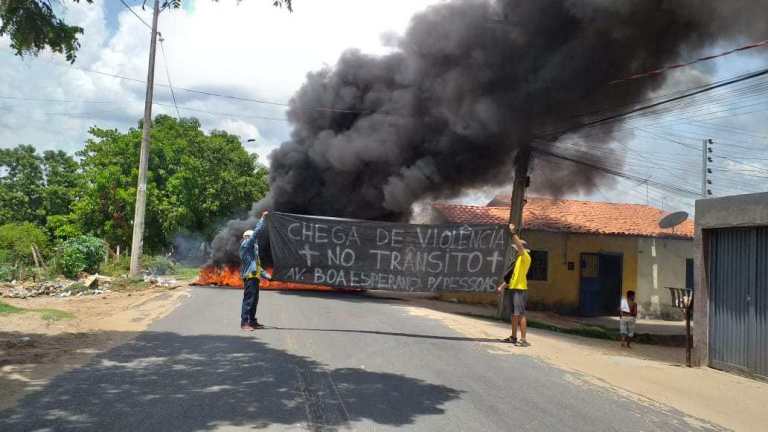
(587, 217)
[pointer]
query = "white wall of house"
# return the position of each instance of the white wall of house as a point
(660, 264)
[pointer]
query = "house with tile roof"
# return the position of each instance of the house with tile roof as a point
(587, 254)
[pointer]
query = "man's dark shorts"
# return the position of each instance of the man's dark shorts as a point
(519, 299)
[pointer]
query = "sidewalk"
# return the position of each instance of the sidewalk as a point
(653, 332)
(649, 374)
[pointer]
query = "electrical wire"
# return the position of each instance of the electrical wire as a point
(209, 93)
(54, 100)
(616, 172)
(678, 100)
(136, 15)
(168, 74)
(692, 62)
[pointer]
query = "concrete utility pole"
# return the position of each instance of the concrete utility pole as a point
(519, 184)
(706, 149)
(141, 188)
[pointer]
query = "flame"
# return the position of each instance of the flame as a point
(221, 276)
(230, 276)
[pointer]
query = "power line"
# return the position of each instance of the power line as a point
(136, 15)
(753, 167)
(618, 116)
(177, 107)
(218, 114)
(209, 93)
(165, 58)
(698, 60)
(86, 115)
(691, 104)
(617, 172)
(607, 110)
(168, 74)
(55, 100)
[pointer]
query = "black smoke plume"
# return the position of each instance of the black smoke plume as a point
(470, 83)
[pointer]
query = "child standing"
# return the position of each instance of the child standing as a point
(627, 317)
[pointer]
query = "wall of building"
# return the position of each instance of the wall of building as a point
(660, 264)
(560, 292)
(726, 212)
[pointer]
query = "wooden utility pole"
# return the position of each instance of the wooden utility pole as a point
(520, 183)
(141, 189)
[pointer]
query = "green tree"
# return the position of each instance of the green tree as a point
(21, 185)
(33, 25)
(36, 188)
(17, 239)
(195, 180)
(62, 182)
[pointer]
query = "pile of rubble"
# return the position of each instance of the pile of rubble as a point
(85, 286)
(161, 281)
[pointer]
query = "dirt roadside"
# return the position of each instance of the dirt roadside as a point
(651, 375)
(33, 350)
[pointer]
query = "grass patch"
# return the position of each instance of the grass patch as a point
(49, 315)
(184, 272)
(123, 284)
(52, 315)
(586, 331)
(5, 308)
(115, 268)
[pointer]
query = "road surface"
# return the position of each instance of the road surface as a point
(328, 362)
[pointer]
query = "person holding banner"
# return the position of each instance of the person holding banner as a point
(250, 272)
(517, 286)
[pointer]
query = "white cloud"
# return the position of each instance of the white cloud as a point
(254, 50)
(248, 49)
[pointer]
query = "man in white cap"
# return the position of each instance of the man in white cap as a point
(517, 284)
(251, 271)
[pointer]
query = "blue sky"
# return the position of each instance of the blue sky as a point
(256, 51)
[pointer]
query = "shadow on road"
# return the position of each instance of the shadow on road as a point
(355, 296)
(384, 333)
(167, 381)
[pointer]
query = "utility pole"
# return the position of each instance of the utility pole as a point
(141, 188)
(706, 159)
(519, 184)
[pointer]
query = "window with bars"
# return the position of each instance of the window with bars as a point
(539, 265)
(538, 269)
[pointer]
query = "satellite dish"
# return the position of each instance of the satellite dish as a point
(673, 219)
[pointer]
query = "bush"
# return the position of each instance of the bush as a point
(116, 267)
(16, 241)
(62, 227)
(159, 265)
(81, 254)
(7, 272)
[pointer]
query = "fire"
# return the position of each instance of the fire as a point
(230, 276)
(221, 276)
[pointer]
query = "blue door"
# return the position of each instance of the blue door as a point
(600, 287)
(589, 291)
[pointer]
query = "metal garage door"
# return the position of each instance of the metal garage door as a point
(739, 300)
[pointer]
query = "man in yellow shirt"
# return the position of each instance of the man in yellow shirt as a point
(517, 284)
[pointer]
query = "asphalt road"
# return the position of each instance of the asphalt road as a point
(328, 362)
